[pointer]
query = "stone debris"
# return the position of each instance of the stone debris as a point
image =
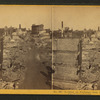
(14, 57)
(86, 86)
(13, 66)
(8, 85)
(90, 61)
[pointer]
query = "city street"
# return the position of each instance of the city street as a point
(33, 77)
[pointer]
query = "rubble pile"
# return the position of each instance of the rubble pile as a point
(14, 54)
(90, 60)
(8, 85)
(85, 86)
(14, 57)
(45, 50)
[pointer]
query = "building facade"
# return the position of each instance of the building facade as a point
(37, 28)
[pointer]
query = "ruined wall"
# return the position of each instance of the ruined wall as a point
(1, 50)
(65, 61)
(66, 44)
(90, 60)
(65, 58)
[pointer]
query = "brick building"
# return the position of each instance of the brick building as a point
(37, 28)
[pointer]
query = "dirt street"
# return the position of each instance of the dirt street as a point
(33, 77)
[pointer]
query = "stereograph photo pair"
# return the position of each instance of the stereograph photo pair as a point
(50, 49)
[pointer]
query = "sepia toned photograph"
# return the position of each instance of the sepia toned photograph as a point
(76, 48)
(49, 47)
(26, 47)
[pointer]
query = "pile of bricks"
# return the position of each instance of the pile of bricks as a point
(13, 59)
(90, 60)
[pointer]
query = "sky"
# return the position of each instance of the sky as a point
(75, 17)
(25, 15)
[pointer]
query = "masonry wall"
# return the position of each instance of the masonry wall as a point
(1, 50)
(65, 60)
(68, 44)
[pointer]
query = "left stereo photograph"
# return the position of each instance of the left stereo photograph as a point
(25, 47)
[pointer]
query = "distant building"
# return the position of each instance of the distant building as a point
(98, 33)
(9, 30)
(15, 36)
(1, 46)
(1, 32)
(37, 28)
(57, 33)
(19, 26)
(21, 31)
(44, 35)
(6, 30)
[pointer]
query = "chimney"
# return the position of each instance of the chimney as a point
(62, 24)
(19, 26)
(62, 29)
(98, 28)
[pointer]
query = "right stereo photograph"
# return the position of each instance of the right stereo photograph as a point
(76, 48)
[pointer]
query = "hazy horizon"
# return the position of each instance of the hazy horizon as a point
(25, 15)
(74, 17)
